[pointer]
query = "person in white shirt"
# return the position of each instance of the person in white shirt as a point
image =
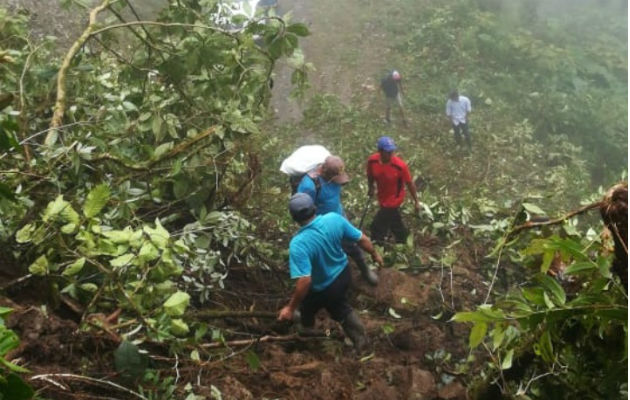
(457, 109)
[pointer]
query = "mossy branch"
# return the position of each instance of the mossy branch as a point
(60, 103)
(180, 148)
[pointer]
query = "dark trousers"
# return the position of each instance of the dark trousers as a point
(387, 219)
(333, 299)
(460, 129)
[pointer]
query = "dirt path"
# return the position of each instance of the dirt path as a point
(346, 50)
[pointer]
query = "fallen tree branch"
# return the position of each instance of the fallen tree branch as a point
(60, 104)
(180, 148)
(209, 314)
(49, 378)
(530, 224)
(263, 339)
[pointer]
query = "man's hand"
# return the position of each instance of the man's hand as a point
(417, 206)
(378, 259)
(285, 314)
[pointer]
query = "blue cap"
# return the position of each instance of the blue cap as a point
(301, 207)
(386, 143)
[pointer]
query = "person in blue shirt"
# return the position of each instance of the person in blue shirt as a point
(318, 262)
(324, 187)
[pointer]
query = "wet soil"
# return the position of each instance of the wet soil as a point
(414, 351)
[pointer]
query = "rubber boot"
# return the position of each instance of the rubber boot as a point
(353, 328)
(367, 274)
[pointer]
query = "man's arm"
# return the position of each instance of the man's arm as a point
(366, 244)
(302, 287)
(370, 186)
(414, 194)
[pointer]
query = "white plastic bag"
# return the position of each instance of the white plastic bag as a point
(304, 159)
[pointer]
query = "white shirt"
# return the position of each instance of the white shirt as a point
(457, 110)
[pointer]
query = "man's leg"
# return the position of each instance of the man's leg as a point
(457, 134)
(353, 251)
(339, 309)
(313, 302)
(398, 227)
(466, 134)
(379, 226)
(388, 108)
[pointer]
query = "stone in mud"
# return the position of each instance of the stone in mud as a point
(422, 385)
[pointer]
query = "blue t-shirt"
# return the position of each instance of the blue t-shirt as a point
(316, 251)
(329, 197)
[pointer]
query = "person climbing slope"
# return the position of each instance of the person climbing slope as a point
(324, 187)
(389, 172)
(392, 88)
(320, 266)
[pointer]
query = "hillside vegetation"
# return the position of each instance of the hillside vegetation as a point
(144, 224)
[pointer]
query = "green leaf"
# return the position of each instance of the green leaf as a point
(148, 252)
(554, 289)
(544, 347)
(579, 266)
(388, 329)
(75, 267)
(299, 29)
(122, 261)
(14, 367)
(477, 334)
(40, 266)
(547, 259)
(534, 209)
(89, 287)
(159, 236)
(9, 340)
(179, 327)
(5, 311)
(498, 334)
(534, 295)
(507, 360)
(24, 234)
(128, 360)
(252, 360)
(176, 305)
(54, 208)
(7, 192)
(96, 200)
(118, 236)
(14, 388)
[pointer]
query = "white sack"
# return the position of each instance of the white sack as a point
(304, 159)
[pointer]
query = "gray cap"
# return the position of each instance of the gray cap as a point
(301, 207)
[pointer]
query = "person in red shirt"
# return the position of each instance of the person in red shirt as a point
(391, 175)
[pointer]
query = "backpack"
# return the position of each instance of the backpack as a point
(302, 161)
(294, 181)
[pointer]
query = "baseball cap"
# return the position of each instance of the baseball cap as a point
(386, 143)
(335, 168)
(396, 75)
(301, 207)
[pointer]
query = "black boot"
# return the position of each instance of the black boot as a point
(353, 328)
(367, 274)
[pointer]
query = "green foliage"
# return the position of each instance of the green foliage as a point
(11, 384)
(129, 361)
(153, 157)
(574, 325)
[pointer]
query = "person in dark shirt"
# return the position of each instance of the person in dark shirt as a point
(392, 87)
